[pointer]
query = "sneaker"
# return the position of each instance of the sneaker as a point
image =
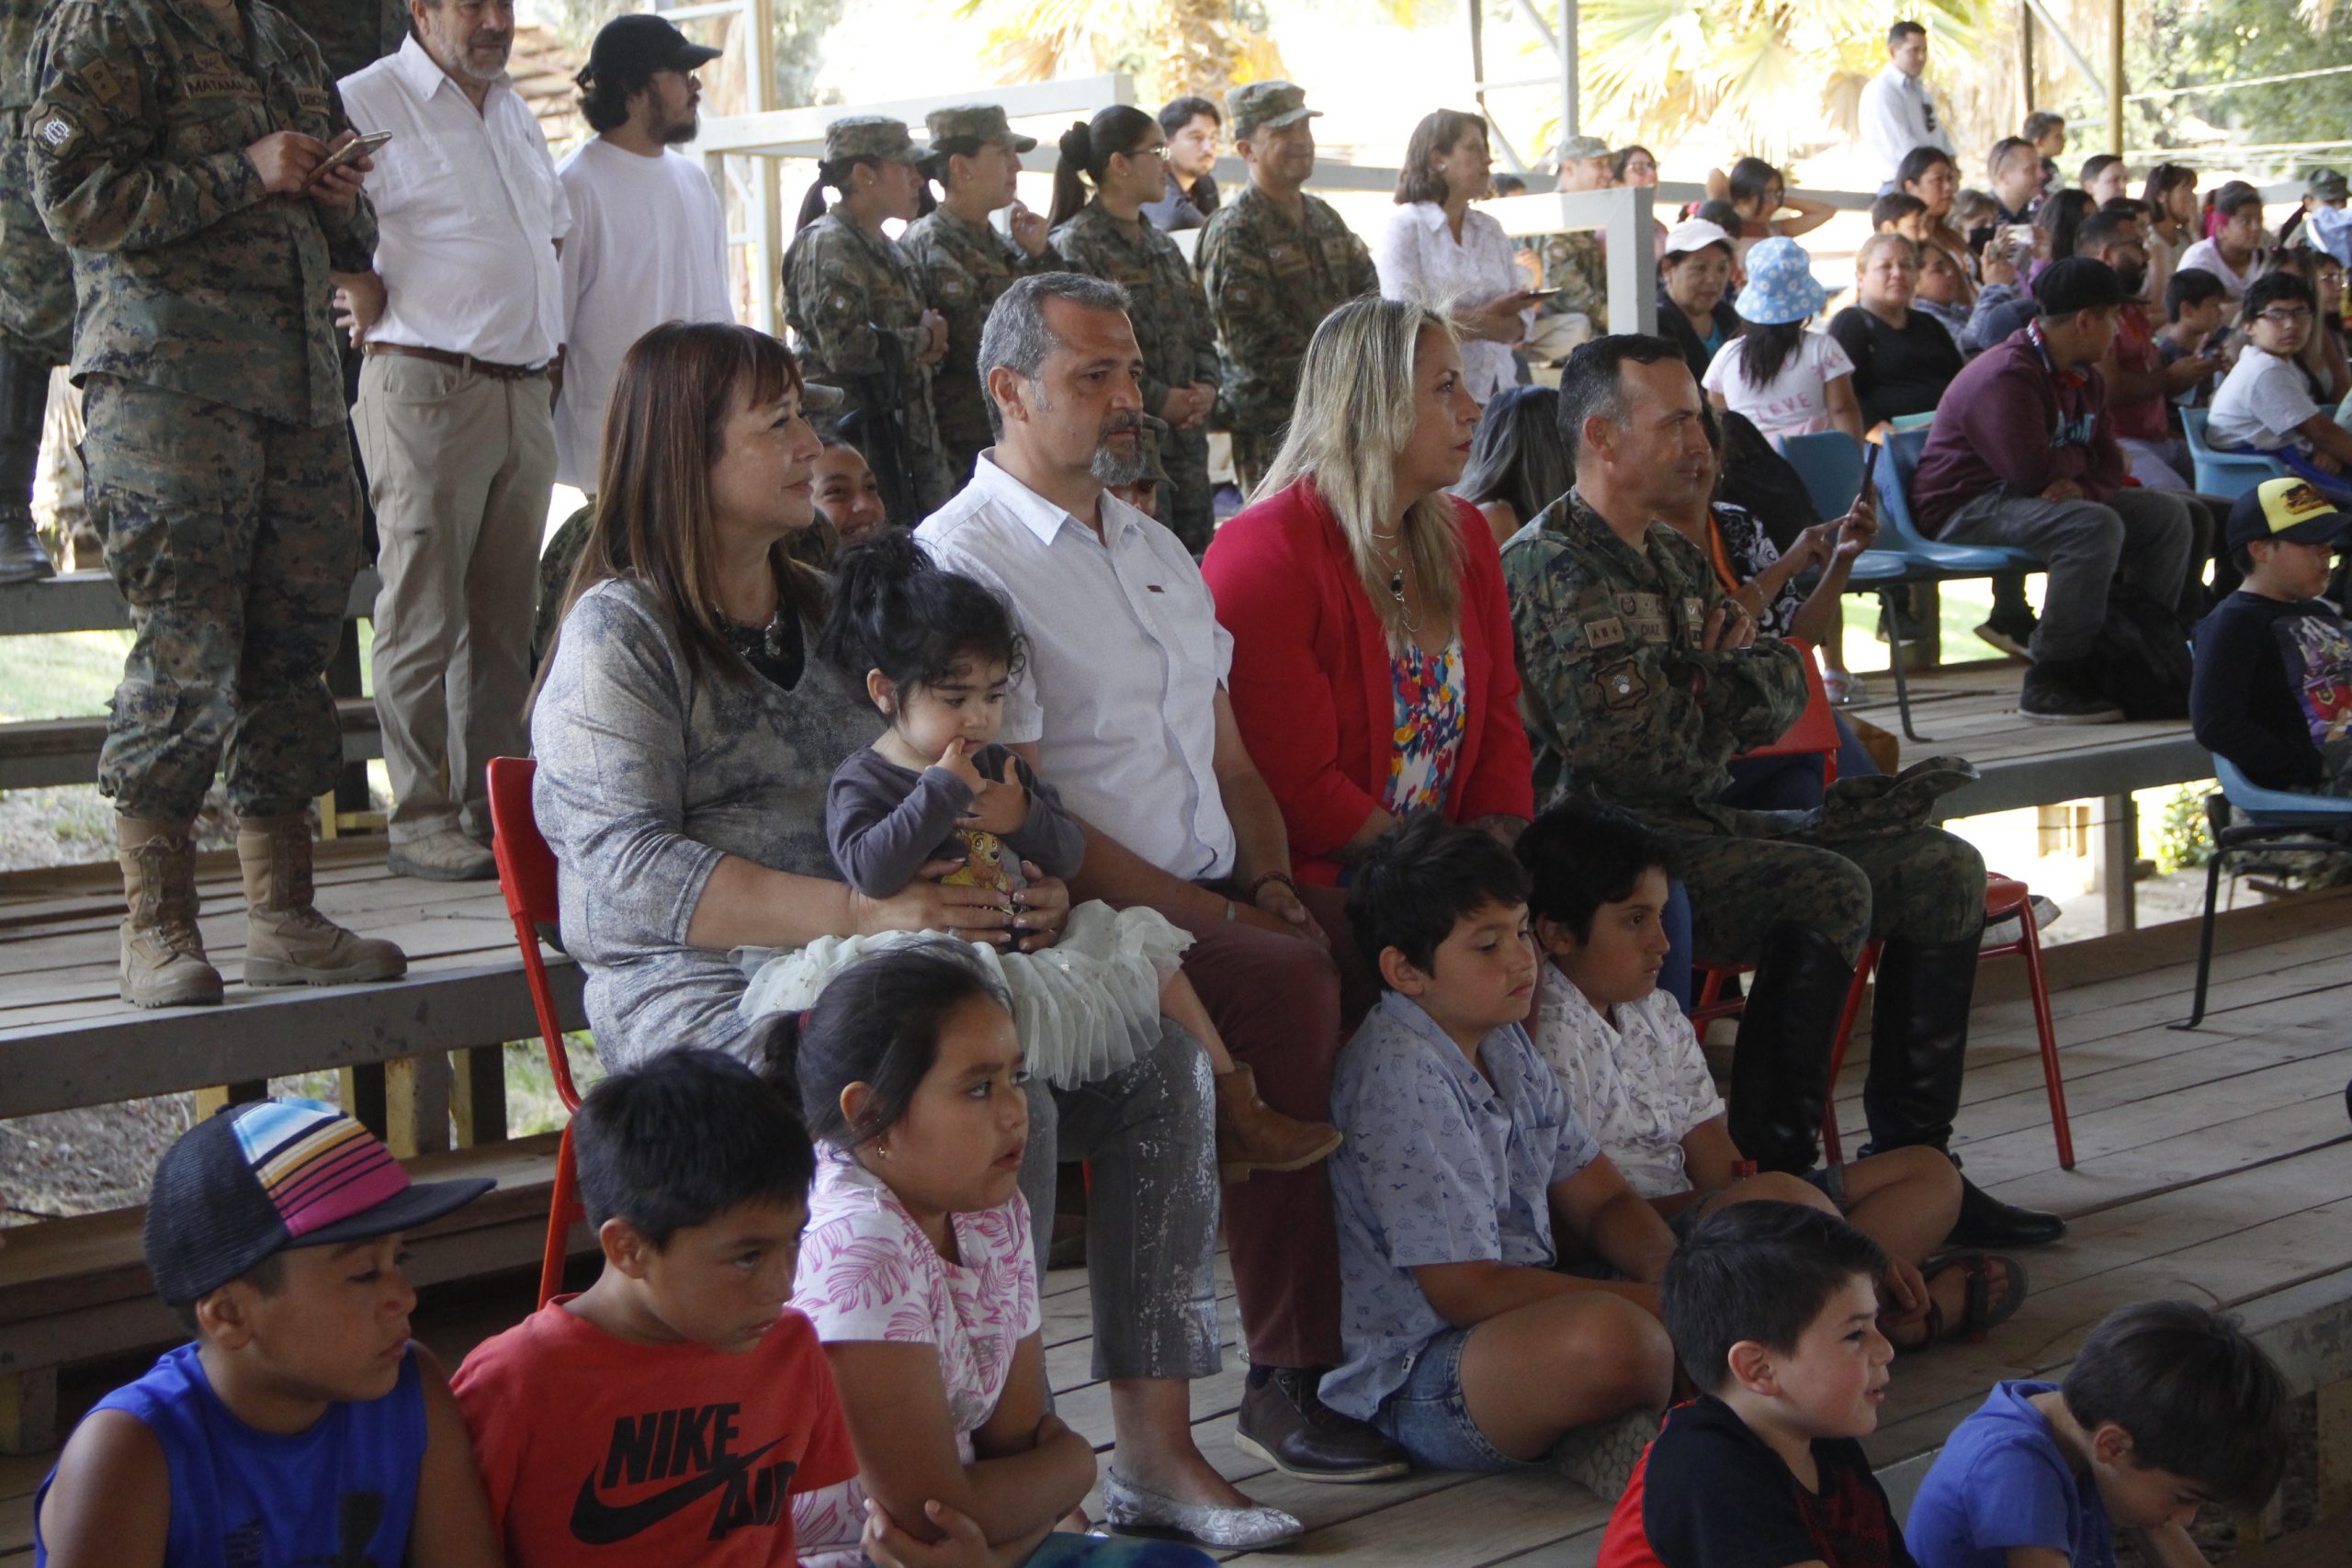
(445, 855)
(2012, 631)
(1908, 627)
(1282, 1422)
(1601, 1458)
(1843, 688)
(2056, 694)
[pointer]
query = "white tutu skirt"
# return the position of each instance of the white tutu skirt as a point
(1085, 1008)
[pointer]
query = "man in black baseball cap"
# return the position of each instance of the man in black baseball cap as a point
(629, 53)
(2273, 693)
(2023, 454)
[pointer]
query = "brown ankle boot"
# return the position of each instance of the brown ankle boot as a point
(162, 953)
(1253, 1136)
(288, 942)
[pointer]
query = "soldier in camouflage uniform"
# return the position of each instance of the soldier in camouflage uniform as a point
(856, 305)
(964, 264)
(1573, 262)
(1111, 238)
(174, 148)
(1641, 678)
(36, 303)
(1275, 262)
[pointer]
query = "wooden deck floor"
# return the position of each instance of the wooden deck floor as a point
(2213, 1165)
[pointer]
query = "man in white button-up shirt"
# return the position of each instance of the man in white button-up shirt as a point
(1897, 112)
(461, 322)
(1122, 707)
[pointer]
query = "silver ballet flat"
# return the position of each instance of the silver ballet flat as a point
(1127, 1506)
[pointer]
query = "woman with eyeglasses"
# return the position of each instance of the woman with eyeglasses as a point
(2265, 404)
(1637, 165)
(1121, 152)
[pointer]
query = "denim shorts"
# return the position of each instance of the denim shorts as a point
(1430, 1419)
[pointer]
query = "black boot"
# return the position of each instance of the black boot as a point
(1919, 1051)
(24, 398)
(1779, 1064)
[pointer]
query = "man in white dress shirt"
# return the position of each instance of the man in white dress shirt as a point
(461, 322)
(1897, 112)
(647, 244)
(1122, 707)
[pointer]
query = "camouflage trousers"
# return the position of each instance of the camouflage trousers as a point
(234, 539)
(1252, 454)
(1924, 885)
(36, 277)
(1187, 500)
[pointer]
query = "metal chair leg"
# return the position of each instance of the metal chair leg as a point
(2205, 938)
(1895, 662)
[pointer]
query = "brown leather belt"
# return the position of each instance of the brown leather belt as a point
(462, 361)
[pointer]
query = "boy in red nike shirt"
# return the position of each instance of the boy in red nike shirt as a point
(1773, 1308)
(667, 1414)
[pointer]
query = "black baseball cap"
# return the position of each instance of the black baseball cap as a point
(643, 41)
(2287, 507)
(258, 1179)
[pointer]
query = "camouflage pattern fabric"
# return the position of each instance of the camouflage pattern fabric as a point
(1573, 265)
(234, 539)
(964, 266)
(1270, 283)
(352, 35)
(855, 303)
(1170, 314)
(19, 19)
(192, 277)
(561, 554)
(36, 275)
(1622, 705)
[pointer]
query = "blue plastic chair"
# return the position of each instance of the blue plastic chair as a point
(2273, 819)
(1830, 463)
(2225, 474)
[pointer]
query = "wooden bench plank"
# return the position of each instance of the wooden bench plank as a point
(88, 600)
(40, 753)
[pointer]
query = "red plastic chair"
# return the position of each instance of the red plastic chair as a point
(527, 876)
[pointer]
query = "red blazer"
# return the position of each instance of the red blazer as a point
(1311, 685)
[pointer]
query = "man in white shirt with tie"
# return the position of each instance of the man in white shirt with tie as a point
(461, 322)
(1897, 112)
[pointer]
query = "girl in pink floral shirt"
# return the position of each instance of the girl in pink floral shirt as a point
(917, 1270)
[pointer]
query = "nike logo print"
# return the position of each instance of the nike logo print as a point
(596, 1522)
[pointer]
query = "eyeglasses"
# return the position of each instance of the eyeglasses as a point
(2295, 317)
(1160, 152)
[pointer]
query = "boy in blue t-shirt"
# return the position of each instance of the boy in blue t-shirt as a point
(299, 1425)
(2166, 1406)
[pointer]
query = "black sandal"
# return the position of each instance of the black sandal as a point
(1981, 1314)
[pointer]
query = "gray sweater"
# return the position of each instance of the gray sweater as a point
(886, 821)
(647, 779)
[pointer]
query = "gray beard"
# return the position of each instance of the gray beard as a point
(1113, 467)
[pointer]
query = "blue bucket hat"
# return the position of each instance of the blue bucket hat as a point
(1781, 285)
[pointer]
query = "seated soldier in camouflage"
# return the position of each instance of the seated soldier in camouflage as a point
(1640, 680)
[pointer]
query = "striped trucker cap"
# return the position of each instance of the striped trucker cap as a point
(258, 1179)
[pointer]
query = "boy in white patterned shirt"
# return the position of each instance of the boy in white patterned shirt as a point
(1631, 1068)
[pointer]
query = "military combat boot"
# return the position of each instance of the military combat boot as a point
(288, 942)
(162, 953)
(24, 396)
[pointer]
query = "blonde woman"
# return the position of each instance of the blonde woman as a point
(1373, 674)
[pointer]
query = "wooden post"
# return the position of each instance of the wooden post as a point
(478, 1101)
(363, 1095)
(416, 1104)
(2115, 859)
(209, 1101)
(2025, 60)
(2115, 78)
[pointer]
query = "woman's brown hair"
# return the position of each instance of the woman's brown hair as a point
(1440, 131)
(665, 426)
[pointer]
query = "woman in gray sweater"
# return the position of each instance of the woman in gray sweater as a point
(685, 738)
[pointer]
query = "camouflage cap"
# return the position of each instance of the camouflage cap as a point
(984, 123)
(1579, 147)
(1267, 106)
(1154, 472)
(816, 399)
(870, 136)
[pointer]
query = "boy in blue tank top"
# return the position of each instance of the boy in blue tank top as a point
(299, 1425)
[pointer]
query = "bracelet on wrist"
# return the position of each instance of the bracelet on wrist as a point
(1256, 885)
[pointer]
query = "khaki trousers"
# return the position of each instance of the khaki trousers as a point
(460, 465)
